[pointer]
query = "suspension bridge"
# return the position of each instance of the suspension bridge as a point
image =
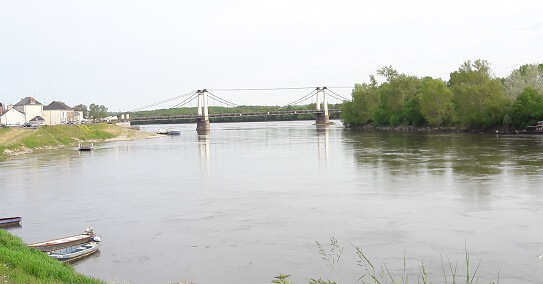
(320, 96)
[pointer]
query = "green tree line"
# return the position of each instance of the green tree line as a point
(472, 98)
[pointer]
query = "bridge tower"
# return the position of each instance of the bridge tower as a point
(202, 122)
(323, 118)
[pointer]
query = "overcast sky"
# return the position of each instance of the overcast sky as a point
(126, 54)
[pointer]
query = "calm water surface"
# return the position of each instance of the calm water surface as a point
(249, 201)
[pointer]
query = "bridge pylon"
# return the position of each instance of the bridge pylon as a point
(202, 122)
(323, 117)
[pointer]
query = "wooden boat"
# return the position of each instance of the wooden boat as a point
(10, 221)
(75, 252)
(65, 242)
(86, 147)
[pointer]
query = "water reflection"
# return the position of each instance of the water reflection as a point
(323, 134)
(464, 154)
(204, 149)
(11, 227)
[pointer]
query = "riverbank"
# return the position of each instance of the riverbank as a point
(18, 141)
(21, 264)
(427, 129)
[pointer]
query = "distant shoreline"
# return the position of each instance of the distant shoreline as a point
(429, 129)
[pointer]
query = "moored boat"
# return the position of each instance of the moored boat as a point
(75, 252)
(170, 131)
(10, 221)
(174, 132)
(86, 147)
(534, 129)
(65, 242)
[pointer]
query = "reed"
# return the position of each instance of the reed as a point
(381, 274)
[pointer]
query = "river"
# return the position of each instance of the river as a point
(250, 200)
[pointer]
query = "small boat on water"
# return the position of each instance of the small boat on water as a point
(10, 221)
(74, 252)
(65, 242)
(534, 129)
(86, 147)
(174, 132)
(170, 131)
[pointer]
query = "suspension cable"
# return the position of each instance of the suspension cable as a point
(343, 98)
(163, 101)
(185, 101)
(221, 100)
(263, 89)
(337, 98)
(303, 98)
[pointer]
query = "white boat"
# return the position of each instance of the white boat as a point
(86, 147)
(170, 131)
(75, 252)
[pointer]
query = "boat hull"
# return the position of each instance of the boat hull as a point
(61, 243)
(11, 221)
(75, 252)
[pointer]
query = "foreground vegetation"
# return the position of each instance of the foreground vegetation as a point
(380, 274)
(21, 264)
(14, 141)
(472, 98)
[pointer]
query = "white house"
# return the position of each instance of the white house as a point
(12, 117)
(58, 113)
(78, 116)
(30, 107)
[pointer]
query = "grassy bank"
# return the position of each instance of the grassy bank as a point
(21, 264)
(14, 141)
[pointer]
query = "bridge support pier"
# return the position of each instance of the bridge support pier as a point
(322, 119)
(202, 124)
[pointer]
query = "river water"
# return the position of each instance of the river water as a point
(250, 201)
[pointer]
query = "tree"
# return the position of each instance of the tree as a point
(527, 108)
(528, 75)
(393, 97)
(388, 73)
(478, 96)
(412, 113)
(83, 108)
(97, 111)
(436, 102)
(359, 111)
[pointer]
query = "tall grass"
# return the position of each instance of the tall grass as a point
(381, 274)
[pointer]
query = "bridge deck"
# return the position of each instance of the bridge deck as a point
(226, 115)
